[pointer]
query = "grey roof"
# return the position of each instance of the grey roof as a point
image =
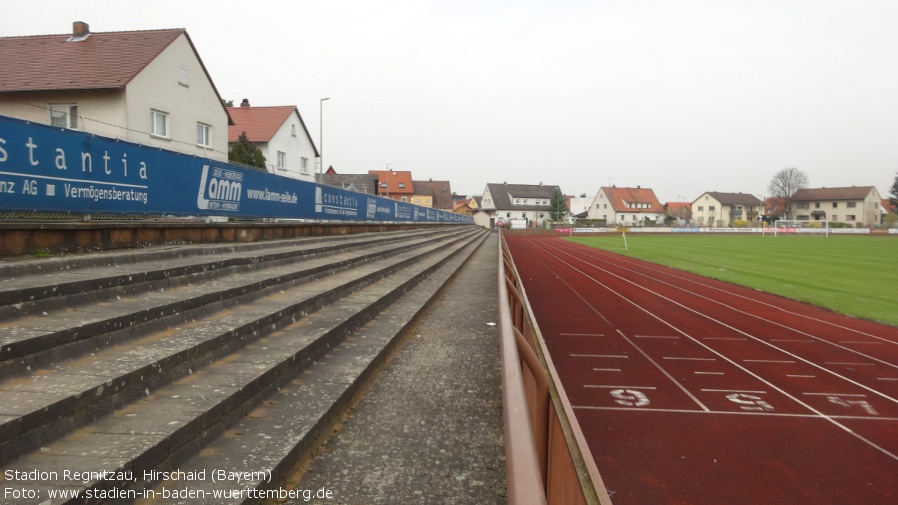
(504, 195)
(441, 191)
(362, 183)
(746, 199)
(852, 193)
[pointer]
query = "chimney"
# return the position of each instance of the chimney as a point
(80, 29)
(244, 103)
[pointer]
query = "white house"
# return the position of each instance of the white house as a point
(282, 136)
(505, 202)
(714, 208)
(578, 206)
(149, 87)
(857, 205)
(626, 206)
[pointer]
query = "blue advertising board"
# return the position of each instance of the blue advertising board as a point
(49, 169)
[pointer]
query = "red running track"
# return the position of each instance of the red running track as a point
(694, 391)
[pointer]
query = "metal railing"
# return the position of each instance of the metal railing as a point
(547, 459)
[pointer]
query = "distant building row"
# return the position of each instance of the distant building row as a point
(855, 206)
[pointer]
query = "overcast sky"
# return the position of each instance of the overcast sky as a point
(679, 96)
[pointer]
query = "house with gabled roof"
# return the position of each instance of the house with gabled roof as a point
(360, 183)
(715, 208)
(626, 206)
(394, 184)
(282, 136)
(504, 202)
(149, 87)
(857, 205)
(431, 193)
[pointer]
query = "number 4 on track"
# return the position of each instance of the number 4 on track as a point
(630, 397)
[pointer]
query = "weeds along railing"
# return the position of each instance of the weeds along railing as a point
(547, 460)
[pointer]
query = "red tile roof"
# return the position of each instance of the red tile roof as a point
(678, 205)
(620, 197)
(102, 61)
(395, 178)
(259, 123)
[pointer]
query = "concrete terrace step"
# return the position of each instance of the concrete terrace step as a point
(41, 336)
(282, 367)
(70, 392)
(26, 283)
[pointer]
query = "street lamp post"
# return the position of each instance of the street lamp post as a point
(388, 179)
(321, 138)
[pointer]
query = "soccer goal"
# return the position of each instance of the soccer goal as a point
(801, 226)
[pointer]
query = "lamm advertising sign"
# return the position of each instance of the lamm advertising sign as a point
(48, 169)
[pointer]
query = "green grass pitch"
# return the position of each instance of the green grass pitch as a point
(854, 275)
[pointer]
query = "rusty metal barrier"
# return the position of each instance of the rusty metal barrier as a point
(547, 459)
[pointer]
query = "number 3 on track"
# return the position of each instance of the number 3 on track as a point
(630, 397)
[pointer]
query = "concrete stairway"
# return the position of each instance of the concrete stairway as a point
(171, 374)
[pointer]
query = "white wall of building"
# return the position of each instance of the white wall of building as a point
(291, 139)
(102, 113)
(159, 87)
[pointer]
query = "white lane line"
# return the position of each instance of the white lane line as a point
(674, 337)
(887, 378)
(835, 394)
(582, 334)
(708, 373)
(803, 376)
(665, 372)
(734, 391)
(731, 413)
(847, 364)
(767, 361)
(857, 342)
(723, 338)
(688, 359)
(794, 340)
(623, 356)
(606, 369)
(617, 387)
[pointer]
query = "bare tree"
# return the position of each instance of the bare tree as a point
(784, 185)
